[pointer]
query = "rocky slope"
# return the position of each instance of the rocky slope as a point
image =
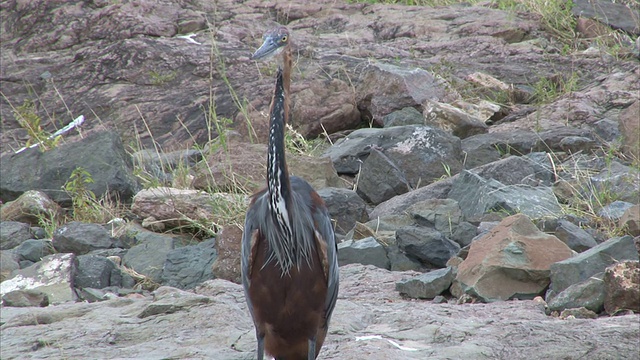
(474, 158)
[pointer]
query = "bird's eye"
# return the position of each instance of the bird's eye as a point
(284, 38)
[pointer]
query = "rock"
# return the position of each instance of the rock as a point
(397, 204)
(366, 252)
(101, 155)
(96, 272)
(405, 116)
(515, 170)
(452, 120)
(13, 233)
(9, 261)
(630, 130)
(163, 165)
(584, 265)
(227, 264)
(168, 300)
(188, 266)
(345, 207)
(572, 235)
(607, 129)
(53, 275)
(587, 294)
(578, 313)
(622, 287)
(33, 207)
(428, 285)
(482, 149)
(80, 238)
(615, 210)
(616, 15)
(385, 88)
(181, 207)
(429, 246)
(418, 151)
(464, 233)
(331, 104)
(149, 254)
(34, 250)
(443, 215)
(25, 298)
(477, 196)
(380, 179)
(630, 220)
(511, 261)
(368, 304)
(619, 179)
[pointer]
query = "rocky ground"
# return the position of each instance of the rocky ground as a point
(482, 175)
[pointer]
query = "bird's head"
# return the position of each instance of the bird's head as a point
(274, 41)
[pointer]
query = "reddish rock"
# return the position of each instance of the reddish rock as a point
(630, 220)
(228, 244)
(630, 129)
(511, 261)
(622, 287)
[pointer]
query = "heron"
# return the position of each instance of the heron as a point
(289, 253)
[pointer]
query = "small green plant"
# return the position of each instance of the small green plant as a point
(85, 204)
(30, 121)
(548, 89)
(160, 78)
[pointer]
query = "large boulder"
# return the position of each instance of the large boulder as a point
(422, 153)
(511, 261)
(102, 155)
(53, 275)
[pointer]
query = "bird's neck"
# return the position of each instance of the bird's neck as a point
(277, 173)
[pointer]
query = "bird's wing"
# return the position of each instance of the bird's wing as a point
(247, 255)
(326, 243)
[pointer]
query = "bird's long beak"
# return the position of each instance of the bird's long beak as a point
(268, 49)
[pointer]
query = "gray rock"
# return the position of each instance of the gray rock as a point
(96, 272)
(616, 15)
(9, 262)
(188, 266)
(464, 233)
(572, 235)
(427, 245)
(486, 148)
(588, 294)
(442, 214)
(80, 238)
(397, 204)
(162, 165)
(405, 116)
(34, 250)
(615, 210)
(149, 256)
(101, 154)
(367, 251)
(584, 265)
(53, 275)
(345, 207)
(607, 129)
(380, 179)
(13, 233)
(477, 196)
(622, 180)
(389, 222)
(427, 285)
(418, 151)
(25, 298)
(515, 170)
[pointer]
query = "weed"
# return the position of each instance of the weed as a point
(160, 78)
(30, 121)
